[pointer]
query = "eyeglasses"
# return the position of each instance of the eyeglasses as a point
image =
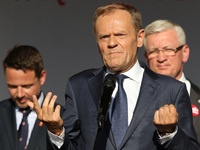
(166, 51)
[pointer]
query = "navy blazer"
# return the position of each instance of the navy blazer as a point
(80, 116)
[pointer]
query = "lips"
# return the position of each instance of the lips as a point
(114, 53)
(22, 100)
(163, 66)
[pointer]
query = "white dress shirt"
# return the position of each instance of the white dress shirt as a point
(187, 83)
(131, 86)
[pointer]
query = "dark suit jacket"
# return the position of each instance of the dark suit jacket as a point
(8, 132)
(194, 97)
(80, 116)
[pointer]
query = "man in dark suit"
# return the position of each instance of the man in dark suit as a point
(25, 74)
(157, 108)
(166, 36)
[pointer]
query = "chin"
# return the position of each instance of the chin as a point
(165, 73)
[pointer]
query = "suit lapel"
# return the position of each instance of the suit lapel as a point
(95, 84)
(10, 122)
(148, 90)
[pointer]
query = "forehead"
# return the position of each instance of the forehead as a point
(14, 76)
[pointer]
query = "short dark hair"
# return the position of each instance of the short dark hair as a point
(24, 57)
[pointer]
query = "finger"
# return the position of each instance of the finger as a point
(172, 108)
(45, 105)
(57, 111)
(36, 107)
(166, 114)
(30, 104)
(51, 105)
(174, 114)
(161, 115)
(47, 99)
(156, 117)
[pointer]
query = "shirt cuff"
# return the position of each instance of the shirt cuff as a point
(57, 140)
(167, 136)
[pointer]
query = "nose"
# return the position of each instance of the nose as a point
(112, 42)
(161, 56)
(20, 92)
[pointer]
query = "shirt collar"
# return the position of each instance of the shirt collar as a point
(187, 83)
(135, 73)
(182, 78)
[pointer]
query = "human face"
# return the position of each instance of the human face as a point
(23, 85)
(117, 40)
(166, 65)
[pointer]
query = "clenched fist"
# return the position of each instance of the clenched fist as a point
(166, 118)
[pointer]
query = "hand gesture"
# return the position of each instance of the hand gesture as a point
(50, 117)
(165, 119)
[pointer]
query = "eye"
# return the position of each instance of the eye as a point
(120, 35)
(154, 51)
(104, 37)
(12, 86)
(26, 86)
(168, 49)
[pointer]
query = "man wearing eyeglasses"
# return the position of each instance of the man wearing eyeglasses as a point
(165, 52)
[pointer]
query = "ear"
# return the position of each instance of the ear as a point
(43, 77)
(140, 38)
(186, 53)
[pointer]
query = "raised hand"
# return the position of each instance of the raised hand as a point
(165, 119)
(50, 117)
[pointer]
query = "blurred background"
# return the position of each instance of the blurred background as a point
(62, 31)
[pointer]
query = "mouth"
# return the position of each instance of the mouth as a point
(163, 67)
(22, 100)
(114, 53)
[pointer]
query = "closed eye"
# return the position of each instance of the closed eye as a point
(12, 86)
(27, 86)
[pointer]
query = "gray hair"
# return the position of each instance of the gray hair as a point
(162, 25)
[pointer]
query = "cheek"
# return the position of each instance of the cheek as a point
(32, 91)
(176, 66)
(153, 65)
(101, 50)
(12, 92)
(152, 62)
(131, 49)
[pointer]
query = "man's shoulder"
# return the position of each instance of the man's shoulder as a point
(169, 80)
(194, 93)
(86, 73)
(162, 79)
(6, 102)
(194, 86)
